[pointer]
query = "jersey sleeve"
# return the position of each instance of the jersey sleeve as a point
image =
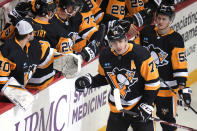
(133, 7)
(152, 83)
(96, 10)
(7, 32)
(64, 45)
(179, 63)
(47, 56)
(100, 79)
(101, 70)
(6, 67)
(88, 25)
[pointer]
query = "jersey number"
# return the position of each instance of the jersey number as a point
(151, 65)
(182, 57)
(66, 47)
(4, 66)
(89, 3)
(88, 18)
(135, 3)
(116, 8)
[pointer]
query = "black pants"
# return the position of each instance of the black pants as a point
(166, 110)
(122, 121)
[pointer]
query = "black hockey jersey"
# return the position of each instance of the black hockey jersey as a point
(134, 73)
(134, 6)
(53, 35)
(86, 23)
(50, 31)
(22, 63)
(96, 10)
(169, 55)
(113, 10)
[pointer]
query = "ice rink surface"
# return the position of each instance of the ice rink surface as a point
(187, 118)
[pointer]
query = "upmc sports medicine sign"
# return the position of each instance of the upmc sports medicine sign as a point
(61, 108)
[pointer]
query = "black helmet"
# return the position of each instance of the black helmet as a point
(74, 3)
(42, 7)
(167, 10)
(116, 31)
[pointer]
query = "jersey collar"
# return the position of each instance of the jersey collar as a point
(26, 46)
(156, 30)
(41, 22)
(56, 15)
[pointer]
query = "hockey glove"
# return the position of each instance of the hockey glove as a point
(68, 64)
(145, 112)
(185, 95)
(88, 54)
(143, 17)
(83, 82)
(20, 11)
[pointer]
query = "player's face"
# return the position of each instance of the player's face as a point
(51, 14)
(31, 36)
(72, 10)
(120, 46)
(163, 21)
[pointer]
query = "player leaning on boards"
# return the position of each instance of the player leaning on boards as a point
(167, 48)
(20, 56)
(130, 68)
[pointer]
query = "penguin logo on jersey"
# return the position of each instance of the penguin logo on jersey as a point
(122, 79)
(158, 55)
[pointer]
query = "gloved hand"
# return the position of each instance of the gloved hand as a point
(143, 17)
(87, 54)
(185, 94)
(20, 11)
(83, 82)
(145, 112)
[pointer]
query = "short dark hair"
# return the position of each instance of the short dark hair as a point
(18, 36)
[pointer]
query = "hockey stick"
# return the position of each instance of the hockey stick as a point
(134, 114)
(189, 106)
(68, 64)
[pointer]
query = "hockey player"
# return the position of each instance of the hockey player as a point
(39, 33)
(22, 10)
(22, 55)
(139, 13)
(132, 70)
(48, 32)
(96, 10)
(167, 49)
(79, 19)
